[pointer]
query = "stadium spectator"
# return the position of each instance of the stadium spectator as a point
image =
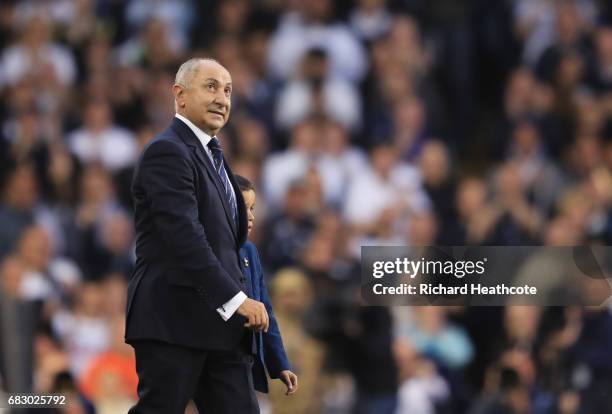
(100, 141)
(291, 295)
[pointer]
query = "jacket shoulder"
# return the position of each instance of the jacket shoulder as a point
(248, 246)
(163, 144)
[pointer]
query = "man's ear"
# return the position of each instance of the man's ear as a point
(179, 95)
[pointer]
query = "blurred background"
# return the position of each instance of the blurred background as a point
(362, 122)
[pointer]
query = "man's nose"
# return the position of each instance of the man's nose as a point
(221, 98)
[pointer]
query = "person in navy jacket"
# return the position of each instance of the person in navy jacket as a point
(188, 316)
(271, 356)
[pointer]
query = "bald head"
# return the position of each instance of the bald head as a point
(189, 69)
(202, 92)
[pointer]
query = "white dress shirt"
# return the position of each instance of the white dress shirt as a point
(227, 309)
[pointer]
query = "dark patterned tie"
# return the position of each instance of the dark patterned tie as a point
(217, 153)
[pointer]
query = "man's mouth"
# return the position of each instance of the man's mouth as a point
(221, 114)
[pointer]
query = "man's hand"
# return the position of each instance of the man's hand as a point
(256, 313)
(290, 380)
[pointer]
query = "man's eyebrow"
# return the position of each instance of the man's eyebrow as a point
(216, 81)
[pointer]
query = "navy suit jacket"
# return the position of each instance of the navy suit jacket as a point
(271, 354)
(187, 247)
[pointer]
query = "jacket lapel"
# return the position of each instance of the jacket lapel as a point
(203, 158)
(242, 214)
(192, 141)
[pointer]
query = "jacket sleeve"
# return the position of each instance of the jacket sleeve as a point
(275, 356)
(168, 180)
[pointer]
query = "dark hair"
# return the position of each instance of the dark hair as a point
(243, 183)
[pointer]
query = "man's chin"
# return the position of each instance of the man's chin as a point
(215, 123)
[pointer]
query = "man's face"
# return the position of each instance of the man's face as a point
(206, 101)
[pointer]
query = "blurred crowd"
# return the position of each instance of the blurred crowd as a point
(362, 122)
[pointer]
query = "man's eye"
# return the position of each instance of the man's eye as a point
(228, 92)
(211, 86)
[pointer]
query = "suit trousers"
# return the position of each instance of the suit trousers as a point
(219, 382)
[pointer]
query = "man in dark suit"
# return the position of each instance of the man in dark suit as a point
(188, 317)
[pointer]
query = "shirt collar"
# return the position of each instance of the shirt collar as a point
(203, 137)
